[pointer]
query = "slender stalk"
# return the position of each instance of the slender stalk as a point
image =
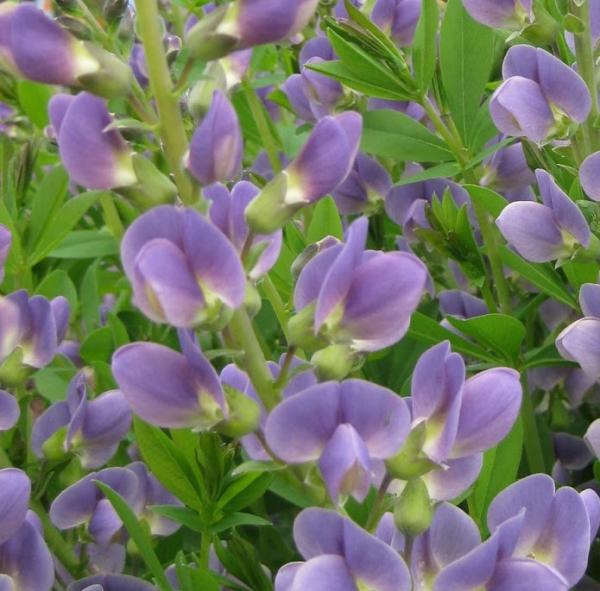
(254, 360)
(285, 369)
(268, 288)
(204, 550)
(59, 547)
(171, 124)
(531, 438)
(258, 114)
(378, 508)
(584, 52)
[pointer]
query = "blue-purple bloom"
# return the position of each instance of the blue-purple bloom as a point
(342, 556)
(92, 429)
(111, 582)
(346, 427)
(501, 14)
(183, 269)
(398, 18)
(547, 231)
(540, 95)
(589, 175)
(5, 244)
(170, 389)
(360, 298)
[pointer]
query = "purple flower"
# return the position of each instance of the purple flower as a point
(216, 147)
(507, 171)
(580, 341)
(5, 244)
(111, 582)
(361, 298)
(94, 157)
(458, 419)
(34, 325)
(318, 46)
(301, 379)
(9, 411)
(501, 14)
(38, 48)
(414, 110)
(345, 426)
(167, 388)
(398, 18)
(540, 95)
(367, 184)
(137, 61)
(589, 175)
(340, 555)
(324, 162)
(458, 303)
(91, 429)
(15, 489)
(227, 213)
(548, 231)
(83, 503)
(183, 270)
(405, 204)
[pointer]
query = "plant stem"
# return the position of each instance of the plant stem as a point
(270, 291)
(260, 119)
(171, 124)
(56, 543)
(378, 508)
(531, 438)
(254, 360)
(584, 52)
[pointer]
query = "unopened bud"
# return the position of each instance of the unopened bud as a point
(410, 462)
(301, 332)
(112, 79)
(413, 512)
(244, 414)
(201, 95)
(334, 362)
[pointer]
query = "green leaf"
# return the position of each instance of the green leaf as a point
(500, 468)
(466, 59)
(445, 170)
(428, 330)
(281, 486)
(181, 515)
(490, 200)
(58, 283)
(325, 221)
(99, 345)
(424, 47)
(244, 491)
(254, 466)
(61, 224)
(237, 519)
(86, 244)
(542, 276)
(396, 135)
(499, 332)
(34, 98)
(52, 382)
(160, 453)
(138, 534)
(90, 297)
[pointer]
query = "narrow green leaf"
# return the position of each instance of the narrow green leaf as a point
(86, 244)
(244, 491)
(424, 49)
(237, 519)
(58, 283)
(492, 201)
(396, 135)
(445, 170)
(466, 59)
(137, 533)
(181, 515)
(34, 98)
(325, 221)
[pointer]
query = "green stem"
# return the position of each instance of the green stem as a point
(584, 52)
(254, 360)
(171, 124)
(267, 287)
(378, 508)
(531, 437)
(260, 119)
(204, 550)
(56, 543)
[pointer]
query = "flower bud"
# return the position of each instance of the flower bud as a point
(413, 512)
(113, 77)
(334, 362)
(244, 414)
(54, 447)
(410, 462)
(216, 148)
(152, 187)
(201, 95)
(301, 330)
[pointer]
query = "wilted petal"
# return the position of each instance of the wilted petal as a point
(580, 342)
(491, 404)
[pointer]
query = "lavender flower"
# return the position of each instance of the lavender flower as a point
(94, 157)
(540, 95)
(548, 231)
(501, 14)
(167, 388)
(183, 270)
(345, 426)
(227, 214)
(340, 555)
(216, 147)
(360, 298)
(589, 175)
(111, 582)
(323, 163)
(5, 244)
(398, 18)
(91, 429)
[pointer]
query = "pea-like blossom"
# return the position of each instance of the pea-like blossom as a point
(167, 388)
(183, 269)
(589, 175)
(546, 231)
(111, 582)
(398, 18)
(540, 95)
(5, 244)
(94, 156)
(323, 163)
(340, 555)
(344, 426)
(216, 147)
(360, 298)
(92, 429)
(227, 213)
(501, 14)
(580, 341)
